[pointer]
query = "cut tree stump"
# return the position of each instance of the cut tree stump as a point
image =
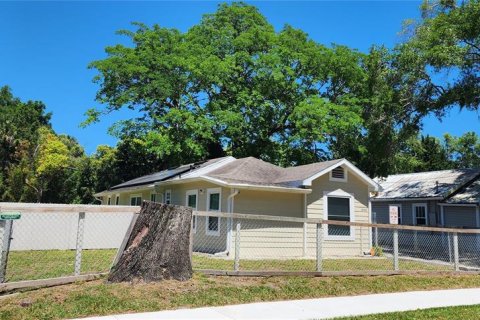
(158, 247)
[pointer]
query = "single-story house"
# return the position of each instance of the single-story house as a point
(446, 198)
(334, 190)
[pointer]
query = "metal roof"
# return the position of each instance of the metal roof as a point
(165, 174)
(432, 184)
(469, 194)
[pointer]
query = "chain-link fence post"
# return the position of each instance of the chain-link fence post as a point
(78, 254)
(5, 237)
(236, 265)
(456, 259)
(319, 247)
(395, 250)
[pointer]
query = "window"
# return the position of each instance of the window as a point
(399, 206)
(213, 204)
(109, 201)
(153, 197)
(420, 214)
(117, 200)
(192, 202)
(168, 196)
(338, 174)
(135, 200)
(338, 206)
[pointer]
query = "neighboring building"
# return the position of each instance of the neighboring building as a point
(334, 190)
(447, 198)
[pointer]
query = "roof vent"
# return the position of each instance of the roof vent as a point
(338, 173)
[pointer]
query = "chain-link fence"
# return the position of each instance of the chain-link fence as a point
(61, 240)
(49, 241)
(247, 244)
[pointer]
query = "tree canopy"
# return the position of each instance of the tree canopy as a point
(233, 85)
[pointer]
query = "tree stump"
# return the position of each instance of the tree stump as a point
(158, 247)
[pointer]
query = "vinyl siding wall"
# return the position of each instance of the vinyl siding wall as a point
(315, 208)
(269, 239)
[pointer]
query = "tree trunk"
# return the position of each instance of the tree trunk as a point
(158, 247)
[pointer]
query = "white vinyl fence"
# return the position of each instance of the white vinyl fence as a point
(58, 230)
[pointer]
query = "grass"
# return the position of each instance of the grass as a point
(363, 264)
(461, 312)
(30, 265)
(100, 298)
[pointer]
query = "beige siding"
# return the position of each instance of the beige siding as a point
(315, 208)
(203, 242)
(273, 239)
(269, 239)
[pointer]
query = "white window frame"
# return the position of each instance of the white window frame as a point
(193, 192)
(339, 194)
(400, 215)
(109, 201)
(414, 213)
(169, 197)
(345, 175)
(117, 199)
(209, 192)
(136, 196)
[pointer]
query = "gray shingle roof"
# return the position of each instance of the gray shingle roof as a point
(165, 174)
(257, 172)
(468, 194)
(430, 184)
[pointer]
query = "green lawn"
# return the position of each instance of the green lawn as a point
(98, 298)
(361, 264)
(463, 312)
(30, 265)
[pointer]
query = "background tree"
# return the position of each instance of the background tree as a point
(447, 42)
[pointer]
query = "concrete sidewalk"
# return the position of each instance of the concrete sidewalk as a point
(318, 308)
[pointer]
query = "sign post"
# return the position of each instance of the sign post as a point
(6, 228)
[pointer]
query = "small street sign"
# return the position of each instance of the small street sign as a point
(10, 215)
(393, 210)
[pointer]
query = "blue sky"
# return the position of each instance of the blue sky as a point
(45, 47)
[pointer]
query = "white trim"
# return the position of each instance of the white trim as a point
(405, 199)
(339, 194)
(209, 192)
(235, 185)
(125, 190)
(350, 166)
(206, 169)
(135, 196)
(230, 209)
(457, 204)
(345, 175)
(193, 192)
(400, 216)
(414, 214)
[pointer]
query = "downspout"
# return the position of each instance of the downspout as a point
(228, 243)
(305, 226)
